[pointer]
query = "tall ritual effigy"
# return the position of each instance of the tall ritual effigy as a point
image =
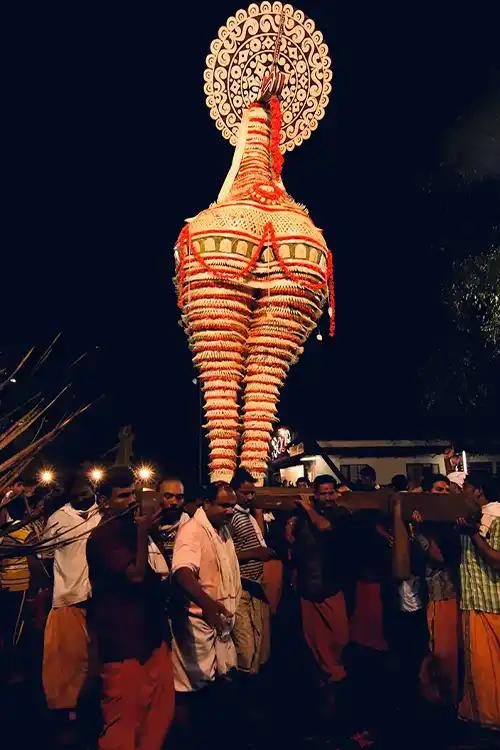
(252, 270)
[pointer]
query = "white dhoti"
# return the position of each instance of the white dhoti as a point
(198, 655)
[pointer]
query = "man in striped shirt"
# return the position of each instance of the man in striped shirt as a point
(251, 633)
(480, 604)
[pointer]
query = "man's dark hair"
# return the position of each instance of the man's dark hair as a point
(78, 484)
(199, 492)
(29, 480)
(400, 482)
(486, 482)
(368, 472)
(302, 480)
(212, 490)
(323, 479)
(429, 479)
(240, 477)
(167, 478)
(116, 476)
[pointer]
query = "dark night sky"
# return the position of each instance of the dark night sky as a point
(112, 146)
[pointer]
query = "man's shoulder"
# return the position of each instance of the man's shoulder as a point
(190, 529)
(239, 519)
(60, 515)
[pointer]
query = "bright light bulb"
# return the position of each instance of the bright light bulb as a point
(46, 476)
(96, 474)
(144, 473)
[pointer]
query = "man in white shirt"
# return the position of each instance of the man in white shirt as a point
(65, 655)
(205, 569)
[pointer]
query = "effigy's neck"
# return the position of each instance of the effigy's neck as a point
(255, 172)
(256, 161)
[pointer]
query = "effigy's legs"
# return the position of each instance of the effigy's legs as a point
(281, 322)
(217, 318)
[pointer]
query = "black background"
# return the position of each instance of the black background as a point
(110, 147)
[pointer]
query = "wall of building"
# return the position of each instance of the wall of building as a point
(385, 467)
(388, 466)
(292, 473)
(482, 461)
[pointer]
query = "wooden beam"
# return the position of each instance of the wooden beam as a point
(433, 507)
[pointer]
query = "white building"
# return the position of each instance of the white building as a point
(294, 458)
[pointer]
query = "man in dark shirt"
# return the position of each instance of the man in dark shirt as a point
(319, 536)
(127, 618)
(171, 491)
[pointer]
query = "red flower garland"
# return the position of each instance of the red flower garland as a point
(276, 120)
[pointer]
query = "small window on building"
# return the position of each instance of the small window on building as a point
(416, 472)
(480, 466)
(352, 472)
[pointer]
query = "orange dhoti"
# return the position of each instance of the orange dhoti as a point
(65, 656)
(272, 583)
(326, 630)
(138, 702)
(443, 622)
(367, 621)
(481, 696)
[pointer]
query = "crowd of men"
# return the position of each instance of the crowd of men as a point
(167, 608)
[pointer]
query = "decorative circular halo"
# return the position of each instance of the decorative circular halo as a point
(243, 53)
